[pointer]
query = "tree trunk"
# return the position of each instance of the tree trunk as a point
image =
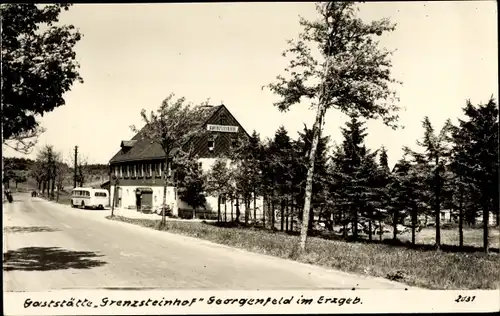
(53, 188)
(354, 222)
(273, 220)
(380, 231)
(311, 219)
(218, 210)
(58, 189)
(370, 216)
(310, 170)
(282, 212)
(413, 224)
(114, 200)
(225, 211)
(437, 193)
(232, 210)
(238, 210)
(292, 210)
(395, 225)
(461, 218)
(164, 200)
(264, 210)
(287, 214)
(344, 224)
(486, 213)
(254, 207)
(247, 209)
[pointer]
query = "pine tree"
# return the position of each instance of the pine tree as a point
(281, 151)
(352, 175)
(435, 159)
(217, 183)
(255, 151)
(247, 164)
(476, 157)
(368, 182)
(411, 193)
(382, 198)
(337, 197)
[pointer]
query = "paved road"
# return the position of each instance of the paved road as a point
(48, 246)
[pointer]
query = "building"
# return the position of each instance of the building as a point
(138, 165)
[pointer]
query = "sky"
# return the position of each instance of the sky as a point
(132, 56)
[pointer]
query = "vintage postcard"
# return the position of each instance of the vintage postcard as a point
(248, 158)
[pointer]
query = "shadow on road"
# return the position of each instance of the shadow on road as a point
(49, 258)
(29, 229)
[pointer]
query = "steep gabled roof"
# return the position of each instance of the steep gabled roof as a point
(140, 148)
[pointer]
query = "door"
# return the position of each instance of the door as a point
(147, 200)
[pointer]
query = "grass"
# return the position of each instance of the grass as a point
(415, 267)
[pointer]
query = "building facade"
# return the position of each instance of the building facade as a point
(138, 165)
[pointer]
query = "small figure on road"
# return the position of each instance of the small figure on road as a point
(8, 195)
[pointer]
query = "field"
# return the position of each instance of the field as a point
(421, 266)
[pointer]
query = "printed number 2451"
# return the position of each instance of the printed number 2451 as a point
(461, 299)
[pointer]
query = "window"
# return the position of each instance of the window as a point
(101, 194)
(116, 171)
(142, 170)
(121, 171)
(150, 169)
(211, 145)
(222, 119)
(158, 169)
(128, 171)
(162, 164)
(135, 171)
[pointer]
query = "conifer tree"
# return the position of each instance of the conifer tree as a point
(476, 157)
(352, 175)
(436, 148)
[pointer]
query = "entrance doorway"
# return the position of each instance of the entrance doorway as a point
(145, 198)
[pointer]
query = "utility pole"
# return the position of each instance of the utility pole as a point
(75, 167)
(115, 193)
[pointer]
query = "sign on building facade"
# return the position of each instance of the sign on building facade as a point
(222, 128)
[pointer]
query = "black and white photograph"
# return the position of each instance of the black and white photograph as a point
(349, 147)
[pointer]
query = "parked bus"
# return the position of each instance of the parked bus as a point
(90, 198)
